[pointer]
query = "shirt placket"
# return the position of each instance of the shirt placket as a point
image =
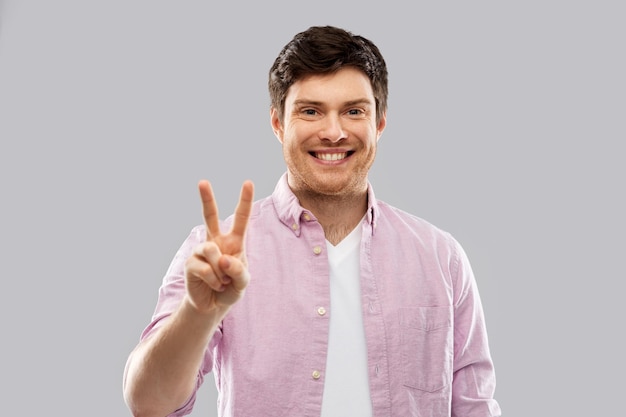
(317, 307)
(377, 357)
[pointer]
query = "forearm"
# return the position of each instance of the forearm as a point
(161, 372)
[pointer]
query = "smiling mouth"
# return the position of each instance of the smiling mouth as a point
(331, 156)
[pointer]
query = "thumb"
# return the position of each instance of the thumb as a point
(235, 269)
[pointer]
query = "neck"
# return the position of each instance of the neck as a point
(338, 215)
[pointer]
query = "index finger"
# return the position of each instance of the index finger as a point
(209, 209)
(244, 207)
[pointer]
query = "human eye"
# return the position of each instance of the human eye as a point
(309, 113)
(356, 113)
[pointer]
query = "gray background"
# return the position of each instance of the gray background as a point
(506, 128)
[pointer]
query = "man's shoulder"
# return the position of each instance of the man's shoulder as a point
(261, 207)
(386, 210)
(403, 221)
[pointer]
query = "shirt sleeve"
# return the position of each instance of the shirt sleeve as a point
(474, 376)
(171, 294)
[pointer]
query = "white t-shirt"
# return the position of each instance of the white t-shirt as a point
(346, 384)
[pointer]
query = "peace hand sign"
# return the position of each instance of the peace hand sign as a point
(216, 273)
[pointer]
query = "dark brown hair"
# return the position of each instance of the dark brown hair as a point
(323, 50)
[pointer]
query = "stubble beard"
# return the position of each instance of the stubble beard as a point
(324, 189)
(308, 184)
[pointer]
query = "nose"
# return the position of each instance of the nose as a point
(332, 128)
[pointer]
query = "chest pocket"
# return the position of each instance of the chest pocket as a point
(427, 347)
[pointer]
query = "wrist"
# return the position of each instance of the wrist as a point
(190, 310)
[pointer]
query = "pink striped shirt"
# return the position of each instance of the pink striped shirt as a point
(427, 347)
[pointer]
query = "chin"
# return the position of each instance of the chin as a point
(336, 188)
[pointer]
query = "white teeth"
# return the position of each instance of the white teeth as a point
(331, 156)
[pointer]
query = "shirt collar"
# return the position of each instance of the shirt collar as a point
(291, 213)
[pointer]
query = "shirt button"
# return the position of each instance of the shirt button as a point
(294, 226)
(321, 311)
(306, 216)
(316, 374)
(317, 250)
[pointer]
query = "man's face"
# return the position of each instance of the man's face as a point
(329, 132)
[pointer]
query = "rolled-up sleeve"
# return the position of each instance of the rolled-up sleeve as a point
(171, 294)
(474, 376)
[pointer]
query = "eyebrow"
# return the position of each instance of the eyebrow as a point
(305, 102)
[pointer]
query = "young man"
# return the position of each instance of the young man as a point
(319, 300)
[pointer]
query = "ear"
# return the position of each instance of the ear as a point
(277, 125)
(382, 123)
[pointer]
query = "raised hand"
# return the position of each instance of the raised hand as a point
(216, 273)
